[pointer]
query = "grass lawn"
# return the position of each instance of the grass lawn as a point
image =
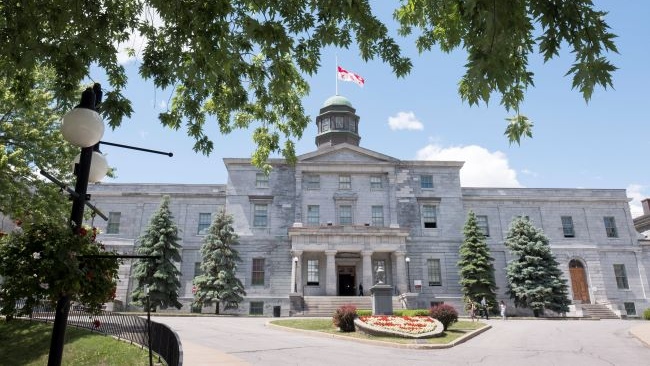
(454, 332)
(28, 343)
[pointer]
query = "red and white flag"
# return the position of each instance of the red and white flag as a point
(346, 75)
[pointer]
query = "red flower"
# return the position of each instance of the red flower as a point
(96, 323)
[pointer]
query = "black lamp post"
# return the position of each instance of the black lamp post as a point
(408, 273)
(146, 291)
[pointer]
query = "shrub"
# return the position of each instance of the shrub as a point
(646, 314)
(344, 317)
(364, 312)
(446, 314)
(411, 312)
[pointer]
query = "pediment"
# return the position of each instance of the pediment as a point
(345, 153)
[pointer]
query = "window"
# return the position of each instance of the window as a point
(313, 215)
(312, 272)
(256, 308)
(197, 269)
(113, 226)
(353, 125)
(433, 267)
(482, 223)
(621, 276)
(325, 124)
(339, 122)
(260, 215)
(377, 215)
(567, 227)
(261, 180)
(313, 181)
(375, 182)
(345, 182)
(429, 217)
(426, 181)
(205, 219)
(610, 227)
(345, 215)
(630, 309)
(257, 275)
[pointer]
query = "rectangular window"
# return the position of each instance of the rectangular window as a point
(426, 181)
(313, 215)
(630, 309)
(345, 182)
(482, 223)
(256, 308)
(345, 215)
(313, 181)
(610, 227)
(261, 180)
(325, 124)
(197, 269)
(429, 217)
(257, 275)
(260, 215)
(621, 276)
(375, 182)
(435, 276)
(205, 219)
(377, 215)
(113, 226)
(567, 227)
(312, 272)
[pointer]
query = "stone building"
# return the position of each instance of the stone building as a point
(323, 226)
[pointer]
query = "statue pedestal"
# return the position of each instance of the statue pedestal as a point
(382, 299)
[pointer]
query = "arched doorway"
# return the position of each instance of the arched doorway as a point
(579, 281)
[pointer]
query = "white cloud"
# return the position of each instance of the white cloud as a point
(404, 121)
(637, 193)
(482, 168)
(529, 172)
(136, 41)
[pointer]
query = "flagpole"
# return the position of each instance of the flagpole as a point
(336, 74)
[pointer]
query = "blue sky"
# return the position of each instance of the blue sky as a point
(601, 144)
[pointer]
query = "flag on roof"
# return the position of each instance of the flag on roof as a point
(346, 75)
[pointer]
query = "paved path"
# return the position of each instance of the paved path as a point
(247, 341)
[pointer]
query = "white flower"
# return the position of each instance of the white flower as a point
(36, 255)
(45, 286)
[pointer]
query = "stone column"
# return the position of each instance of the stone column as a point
(400, 268)
(330, 273)
(366, 279)
(296, 272)
(392, 199)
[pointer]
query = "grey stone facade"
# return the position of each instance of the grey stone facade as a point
(322, 226)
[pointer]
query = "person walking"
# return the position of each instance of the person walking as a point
(360, 290)
(484, 308)
(472, 310)
(502, 307)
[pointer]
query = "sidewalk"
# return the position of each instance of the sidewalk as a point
(197, 355)
(642, 332)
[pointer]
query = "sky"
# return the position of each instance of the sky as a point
(599, 144)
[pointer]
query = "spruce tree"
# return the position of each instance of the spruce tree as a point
(218, 282)
(534, 278)
(476, 265)
(160, 275)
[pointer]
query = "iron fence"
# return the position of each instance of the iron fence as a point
(164, 341)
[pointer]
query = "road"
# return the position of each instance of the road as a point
(247, 341)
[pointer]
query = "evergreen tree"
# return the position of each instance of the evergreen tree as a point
(476, 267)
(160, 275)
(534, 278)
(218, 282)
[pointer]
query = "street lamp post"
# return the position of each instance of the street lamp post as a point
(82, 127)
(408, 273)
(146, 291)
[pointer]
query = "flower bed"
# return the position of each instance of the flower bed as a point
(399, 326)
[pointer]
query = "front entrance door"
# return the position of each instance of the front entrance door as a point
(347, 284)
(579, 281)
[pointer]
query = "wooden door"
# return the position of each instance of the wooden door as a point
(579, 281)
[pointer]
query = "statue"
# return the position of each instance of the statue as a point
(380, 274)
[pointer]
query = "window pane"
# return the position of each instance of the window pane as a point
(610, 227)
(313, 215)
(113, 226)
(204, 223)
(261, 180)
(325, 124)
(345, 215)
(345, 182)
(630, 309)
(312, 272)
(260, 218)
(621, 276)
(567, 226)
(197, 269)
(377, 215)
(375, 182)
(426, 181)
(257, 276)
(256, 308)
(313, 181)
(433, 266)
(429, 217)
(482, 223)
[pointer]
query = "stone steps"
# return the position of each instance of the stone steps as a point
(327, 305)
(598, 311)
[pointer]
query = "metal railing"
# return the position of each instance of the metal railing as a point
(164, 341)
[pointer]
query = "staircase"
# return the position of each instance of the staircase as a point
(327, 305)
(598, 311)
